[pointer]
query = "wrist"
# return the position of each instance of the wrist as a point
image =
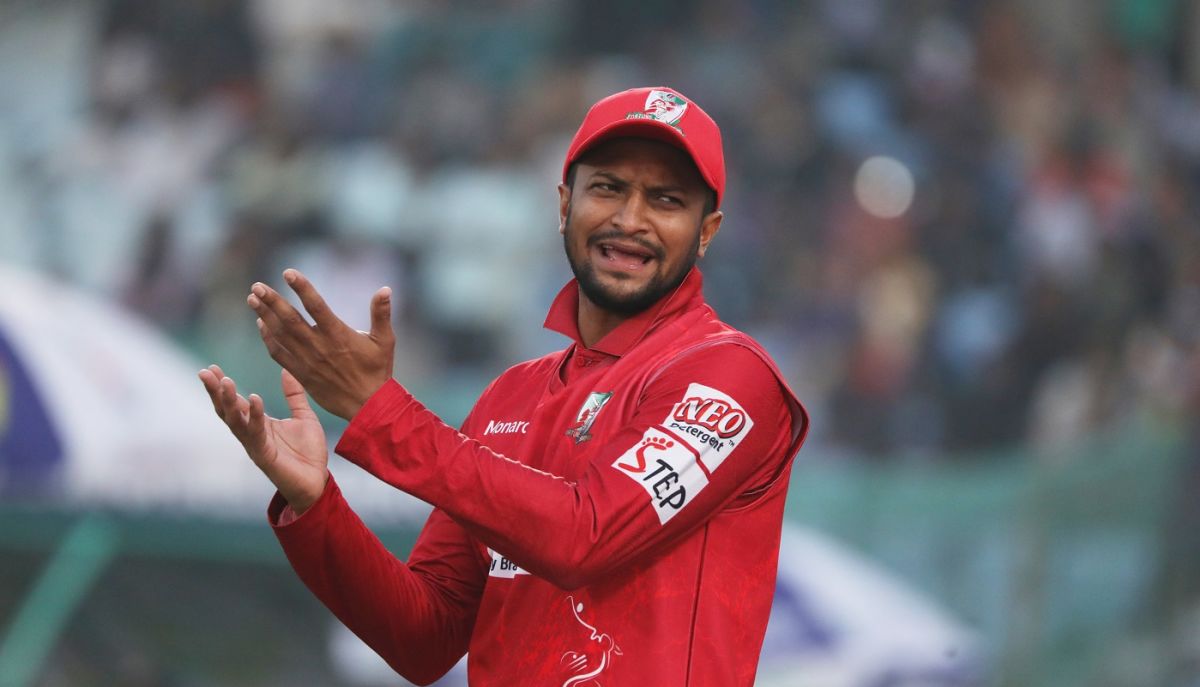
(351, 407)
(301, 500)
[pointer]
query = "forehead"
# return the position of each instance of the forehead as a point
(647, 160)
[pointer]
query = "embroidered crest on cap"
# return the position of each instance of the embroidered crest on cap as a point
(663, 106)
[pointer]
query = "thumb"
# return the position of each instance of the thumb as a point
(381, 314)
(293, 393)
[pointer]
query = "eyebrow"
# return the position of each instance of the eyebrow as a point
(610, 176)
(664, 188)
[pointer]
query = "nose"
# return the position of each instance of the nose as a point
(632, 217)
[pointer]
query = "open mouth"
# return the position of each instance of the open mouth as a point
(629, 257)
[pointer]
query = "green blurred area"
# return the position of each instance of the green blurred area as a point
(1074, 564)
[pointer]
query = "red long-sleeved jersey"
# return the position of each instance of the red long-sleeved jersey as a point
(607, 516)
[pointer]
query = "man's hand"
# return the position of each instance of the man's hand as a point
(340, 367)
(292, 453)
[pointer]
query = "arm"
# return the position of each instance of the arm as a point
(649, 487)
(418, 617)
(580, 529)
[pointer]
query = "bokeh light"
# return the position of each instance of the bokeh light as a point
(884, 187)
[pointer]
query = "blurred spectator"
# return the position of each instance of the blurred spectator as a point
(1037, 281)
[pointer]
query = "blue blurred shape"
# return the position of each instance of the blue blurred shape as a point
(31, 449)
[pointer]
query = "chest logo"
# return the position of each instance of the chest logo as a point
(587, 415)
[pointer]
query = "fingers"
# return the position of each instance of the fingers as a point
(278, 352)
(234, 408)
(312, 301)
(381, 315)
(293, 393)
(284, 322)
(256, 429)
(245, 417)
(211, 378)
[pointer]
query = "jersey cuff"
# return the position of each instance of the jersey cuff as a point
(281, 517)
(384, 405)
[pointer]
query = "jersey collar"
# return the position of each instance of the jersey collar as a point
(564, 315)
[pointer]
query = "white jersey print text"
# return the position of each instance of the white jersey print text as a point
(503, 567)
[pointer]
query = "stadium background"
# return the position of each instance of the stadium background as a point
(967, 230)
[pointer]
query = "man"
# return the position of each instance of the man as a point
(610, 513)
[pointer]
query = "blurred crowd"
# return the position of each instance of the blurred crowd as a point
(956, 224)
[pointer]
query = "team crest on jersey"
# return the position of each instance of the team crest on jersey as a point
(586, 416)
(663, 106)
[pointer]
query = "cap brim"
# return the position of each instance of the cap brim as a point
(644, 128)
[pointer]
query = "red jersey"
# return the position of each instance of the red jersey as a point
(606, 516)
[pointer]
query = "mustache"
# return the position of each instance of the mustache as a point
(618, 235)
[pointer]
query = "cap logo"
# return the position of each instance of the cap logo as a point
(663, 106)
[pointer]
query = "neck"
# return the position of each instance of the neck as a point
(596, 322)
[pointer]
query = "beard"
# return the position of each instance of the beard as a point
(631, 303)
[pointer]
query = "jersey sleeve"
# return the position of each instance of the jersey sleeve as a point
(712, 429)
(417, 616)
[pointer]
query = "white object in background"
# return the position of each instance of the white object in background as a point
(839, 620)
(134, 423)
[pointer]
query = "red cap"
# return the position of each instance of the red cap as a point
(659, 113)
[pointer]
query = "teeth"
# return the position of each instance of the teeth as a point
(610, 253)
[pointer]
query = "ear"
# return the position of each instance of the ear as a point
(564, 206)
(709, 226)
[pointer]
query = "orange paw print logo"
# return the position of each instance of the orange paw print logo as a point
(648, 443)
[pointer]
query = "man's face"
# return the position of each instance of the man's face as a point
(634, 222)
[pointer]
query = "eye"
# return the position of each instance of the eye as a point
(670, 200)
(604, 186)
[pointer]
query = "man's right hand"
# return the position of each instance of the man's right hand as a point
(291, 452)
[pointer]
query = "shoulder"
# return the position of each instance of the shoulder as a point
(732, 362)
(724, 397)
(725, 365)
(723, 353)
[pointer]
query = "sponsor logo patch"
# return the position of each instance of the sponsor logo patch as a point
(666, 468)
(503, 567)
(710, 422)
(511, 427)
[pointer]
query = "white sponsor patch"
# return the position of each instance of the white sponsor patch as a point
(711, 422)
(503, 567)
(666, 469)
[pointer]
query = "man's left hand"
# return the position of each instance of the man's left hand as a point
(339, 367)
